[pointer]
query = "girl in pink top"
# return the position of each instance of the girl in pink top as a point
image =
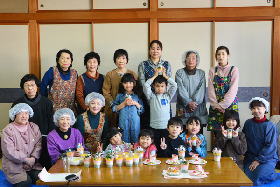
(146, 141)
(222, 89)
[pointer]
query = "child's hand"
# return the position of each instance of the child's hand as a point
(224, 132)
(235, 133)
(129, 101)
(254, 165)
(136, 104)
(156, 72)
(199, 142)
(189, 143)
(99, 147)
(162, 143)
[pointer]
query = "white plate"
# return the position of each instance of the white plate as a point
(147, 163)
(200, 161)
(169, 161)
(183, 175)
(75, 161)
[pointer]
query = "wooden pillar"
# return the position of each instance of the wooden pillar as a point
(33, 44)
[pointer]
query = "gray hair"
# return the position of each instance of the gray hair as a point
(187, 53)
(94, 95)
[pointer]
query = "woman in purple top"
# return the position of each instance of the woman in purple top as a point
(21, 146)
(64, 137)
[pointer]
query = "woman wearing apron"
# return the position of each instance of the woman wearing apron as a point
(222, 89)
(61, 81)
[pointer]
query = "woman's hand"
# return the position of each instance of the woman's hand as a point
(26, 167)
(254, 165)
(99, 147)
(235, 133)
(224, 132)
(192, 106)
(162, 143)
(199, 142)
(30, 161)
(220, 109)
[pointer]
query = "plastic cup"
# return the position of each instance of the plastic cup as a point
(87, 162)
(129, 162)
(70, 154)
(185, 167)
(66, 163)
(229, 133)
(217, 158)
(194, 143)
(97, 163)
(109, 163)
(136, 160)
(119, 161)
(140, 154)
(181, 154)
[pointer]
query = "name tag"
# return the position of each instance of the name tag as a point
(164, 102)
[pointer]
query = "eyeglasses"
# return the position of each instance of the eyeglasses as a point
(31, 86)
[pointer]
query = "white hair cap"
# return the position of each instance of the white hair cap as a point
(64, 112)
(266, 104)
(18, 108)
(94, 95)
(184, 57)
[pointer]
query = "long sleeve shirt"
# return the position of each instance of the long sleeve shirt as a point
(159, 104)
(233, 88)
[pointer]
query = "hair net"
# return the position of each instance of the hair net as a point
(95, 95)
(185, 56)
(64, 111)
(18, 108)
(266, 104)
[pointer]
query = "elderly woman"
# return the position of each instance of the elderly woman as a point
(43, 113)
(64, 137)
(93, 124)
(90, 81)
(191, 89)
(111, 84)
(61, 81)
(21, 146)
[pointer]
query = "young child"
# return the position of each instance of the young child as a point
(261, 134)
(146, 141)
(159, 102)
(129, 106)
(170, 143)
(114, 136)
(193, 127)
(237, 145)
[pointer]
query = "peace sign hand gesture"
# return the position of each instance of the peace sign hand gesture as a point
(235, 133)
(224, 131)
(162, 143)
(99, 147)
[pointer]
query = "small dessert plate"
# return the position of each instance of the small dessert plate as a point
(170, 161)
(147, 162)
(197, 161)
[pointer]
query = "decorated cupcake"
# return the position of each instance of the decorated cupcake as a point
(181, 152)
(194, 139)
(129, 159)
(135, 159)
(140, 152)
(119, 160)
(97, 160)
(185, 167)
(217, 154)
(109, 159)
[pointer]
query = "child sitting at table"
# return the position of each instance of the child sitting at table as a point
(170, 144)
(114, 136)
(261, 135)
(60, 140)
(146, 141)
(193, 127)
(233, 147)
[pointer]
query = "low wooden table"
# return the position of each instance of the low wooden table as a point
(223, 173)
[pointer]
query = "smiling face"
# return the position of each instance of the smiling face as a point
(258, 112)
(121, 61)
(155, 51)
(160, 87)
(64, 122)
(145, 141)
(92, 65)
(231, 123)
(95, 106)
(128, 86)
(191, 61)
(22, 118)
(30, 88)
(64, 61)
(116, 139)
(193, 127)
(222, 57)
(174, 130)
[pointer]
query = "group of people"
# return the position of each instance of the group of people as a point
(127, 111)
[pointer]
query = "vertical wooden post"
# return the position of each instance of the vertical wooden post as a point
(213, 44)
(92, 37)
(33, 44)
(275, 78)
(32, 6)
